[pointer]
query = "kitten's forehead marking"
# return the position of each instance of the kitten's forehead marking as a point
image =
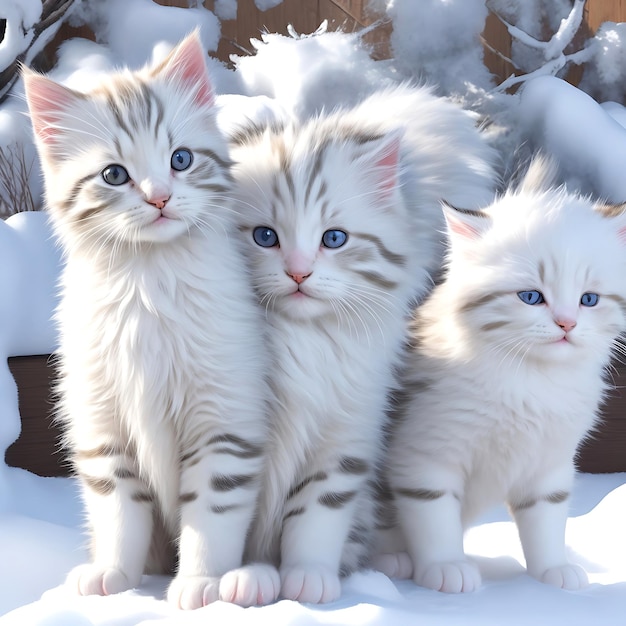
(135, 107)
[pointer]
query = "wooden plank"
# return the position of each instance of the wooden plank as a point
(37, 448)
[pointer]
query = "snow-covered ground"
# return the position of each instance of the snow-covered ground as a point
(436, 41)
(40, 540)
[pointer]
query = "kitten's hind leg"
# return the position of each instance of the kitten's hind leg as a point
(541, 516)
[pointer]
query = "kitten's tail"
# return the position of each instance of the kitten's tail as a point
(541, 174)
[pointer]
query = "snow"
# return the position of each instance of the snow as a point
(458, 22)
(40, 518)
(21, 17)
(561, 119)
(38, 551)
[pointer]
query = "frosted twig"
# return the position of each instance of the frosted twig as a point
(553, 50)
(559, 41)
(15, 193)
(551, 68)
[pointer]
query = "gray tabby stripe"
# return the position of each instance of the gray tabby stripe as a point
(557, 497)
(68, 204)
(494, 325)
(228, 483)
(377, 279)
(86, 214)
(225, 165)
(388, 255)
(553, 498)
(319, 476)
(479, 302)
(352, 465)
(124, 474)
(142, 496)
(293, 513)
(225, 508)
(541, 270)
(242, 449)
(621, 302)
(100, 451)
(420, 494)
(335, 500)
(102, 486)
(183, 498)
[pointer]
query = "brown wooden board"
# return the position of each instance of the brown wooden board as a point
(37, 447)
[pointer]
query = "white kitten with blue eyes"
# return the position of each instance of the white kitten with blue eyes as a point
(505, 375)
(162, 360)
(341, 222)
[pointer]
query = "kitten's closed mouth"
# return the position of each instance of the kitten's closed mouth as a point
(162, 219)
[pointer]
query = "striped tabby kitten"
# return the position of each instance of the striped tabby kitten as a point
(340, 216)
(159, 329)
(504, 380)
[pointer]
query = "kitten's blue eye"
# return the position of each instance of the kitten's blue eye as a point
(334, 238)
(589, 299)
(181, 159)
(115, 175)
(265, 237)
(531, 297)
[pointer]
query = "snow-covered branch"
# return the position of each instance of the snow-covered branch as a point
(553, 51)
(29, 26)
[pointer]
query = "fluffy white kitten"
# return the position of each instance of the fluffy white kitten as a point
(506, 372)
(162, 390)
(341, 220)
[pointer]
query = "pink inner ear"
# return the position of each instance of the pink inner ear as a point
(47, 101)
(188, 63)
(621, 234)
(388, 165)
(464, 229)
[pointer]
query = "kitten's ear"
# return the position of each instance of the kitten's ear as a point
(187, 64)
(465, 223)
(47, 101)
(382, 161)
(617, 212)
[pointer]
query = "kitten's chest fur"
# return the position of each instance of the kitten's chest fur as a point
(150, 333)
(330, 381)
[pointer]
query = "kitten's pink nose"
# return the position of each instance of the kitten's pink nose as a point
(298, 278)
(566, 324)
(159, 201)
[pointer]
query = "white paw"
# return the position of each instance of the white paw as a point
(568, 576)
(454, 577)
(193, 592)
(396, 565)
(314, 583)
(91, 579)
(252, 585)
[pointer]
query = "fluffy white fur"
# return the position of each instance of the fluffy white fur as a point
(162, 389)
(498, 392)
(337, 315)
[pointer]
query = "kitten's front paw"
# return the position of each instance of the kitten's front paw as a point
(252, 585)
(91, 579)
(316, 584)
(568, 576)
(455, 577)
(193, 592)
(395, 565)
